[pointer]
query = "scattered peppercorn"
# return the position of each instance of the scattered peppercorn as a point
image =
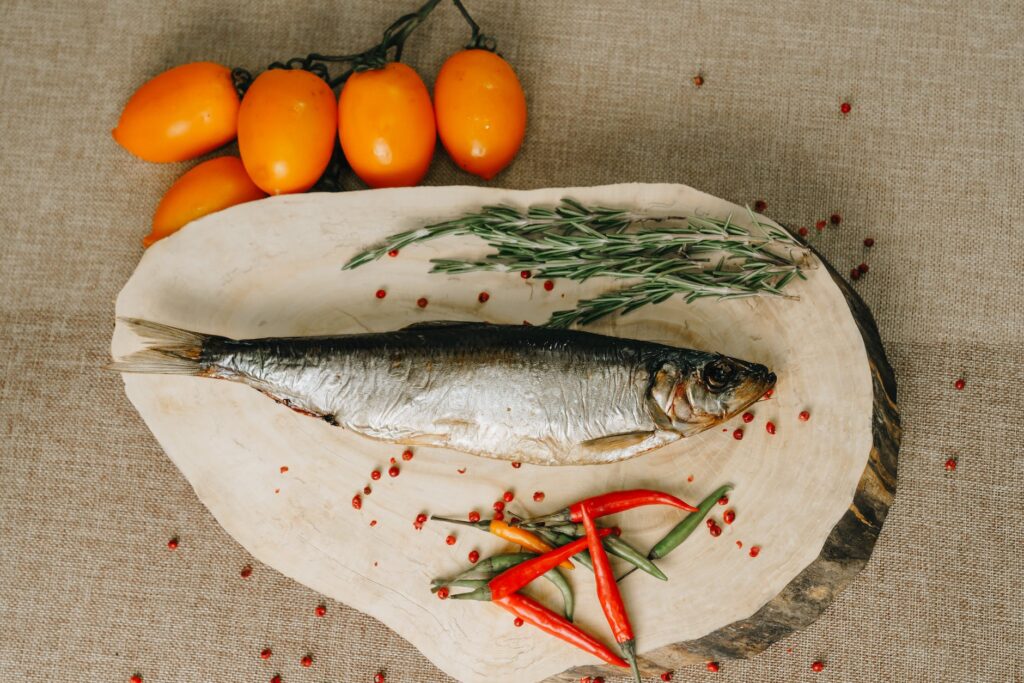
(306, 661)
(483, 297)
(525, 274)
(393, 253)
(498, 516)
(320, 611)
(172, 544)
(136, 678)
(499, 505)
(422, 302)
(666, 676)
(802, 231)
(246, 572)
(393, 471)
(516, 464)
(748, 416)
(869, 242)
(855, 274)
(474, 516)
(845, 107)
(474, 556)
(698, 80)
(737, 434)
(951, 464)
(768, 394)
(449, 539)
(724, 500)
(407, 454)
(508, 496)
(367, 490)
(728, 516)
(276, 678)
(959, 384)
(712, 667)
(375, 475)
(284, 468)
(817, 666)
(716, 531)
(804, 416)
(835, 219)
(863, 267)
(378, 677)
(770, 427)
(442, 592)
(357, 502)
(518, 622)
(755, 551)
(265, 653)
(549, 285)
(760, 205)
(538, 496)
(820, 225)
(380, 294)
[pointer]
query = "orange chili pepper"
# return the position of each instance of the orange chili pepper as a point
(513, 534)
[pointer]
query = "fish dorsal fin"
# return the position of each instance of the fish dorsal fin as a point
(440, 324)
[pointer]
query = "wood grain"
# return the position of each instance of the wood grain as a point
(813, 496)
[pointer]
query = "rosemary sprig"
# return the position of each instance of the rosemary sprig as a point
(696, 257)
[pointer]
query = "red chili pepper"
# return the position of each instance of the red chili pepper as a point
(608, 592)
(532, 612)
(511, 580)
(611, 503)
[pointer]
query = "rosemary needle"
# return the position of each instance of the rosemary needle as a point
(696, 257)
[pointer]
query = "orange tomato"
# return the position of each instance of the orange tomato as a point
(386, 126)
(211, 186)
(481, 111)
(181, 114)
(286, 129)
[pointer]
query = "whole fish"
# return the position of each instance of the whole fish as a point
(520, 393)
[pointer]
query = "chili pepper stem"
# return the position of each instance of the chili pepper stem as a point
(482, 524)
(628, 648)
(481, 593)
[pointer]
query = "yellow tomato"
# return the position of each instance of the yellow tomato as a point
(181, 114)
(481, 111)
(386, 126)
(286, 129)
(211, 186)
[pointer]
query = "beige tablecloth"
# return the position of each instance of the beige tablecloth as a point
(928, 162)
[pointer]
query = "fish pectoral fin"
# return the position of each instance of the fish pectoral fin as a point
(628, 444)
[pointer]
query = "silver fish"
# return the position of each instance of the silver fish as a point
(520, 393)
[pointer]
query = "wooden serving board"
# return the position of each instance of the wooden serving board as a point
(813, 496)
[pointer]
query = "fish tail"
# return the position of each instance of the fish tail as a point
(169, 350)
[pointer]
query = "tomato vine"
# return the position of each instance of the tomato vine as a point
(388, 49)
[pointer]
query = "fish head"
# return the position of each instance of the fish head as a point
(697, 396)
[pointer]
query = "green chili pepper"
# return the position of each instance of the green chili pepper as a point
(558, 538)
(619, 548)
(461, 583)
(485, 570)
(681, 531)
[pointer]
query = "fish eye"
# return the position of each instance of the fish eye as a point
(718, 374)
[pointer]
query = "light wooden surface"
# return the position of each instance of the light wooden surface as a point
(274, 268)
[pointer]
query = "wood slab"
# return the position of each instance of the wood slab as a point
(813, 496)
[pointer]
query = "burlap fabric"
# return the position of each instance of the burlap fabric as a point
(928, 162)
